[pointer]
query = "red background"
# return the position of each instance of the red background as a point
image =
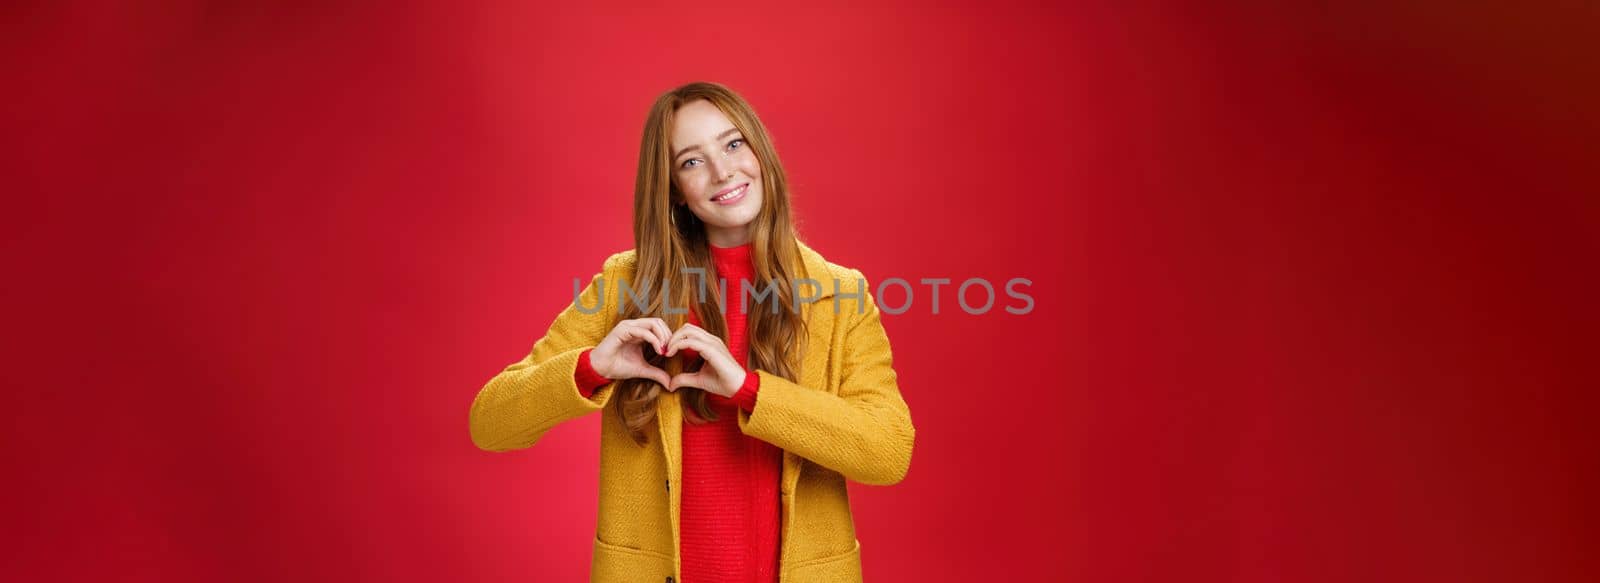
(1314, 284)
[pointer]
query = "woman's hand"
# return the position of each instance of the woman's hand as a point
(721, 374)
(621, 354)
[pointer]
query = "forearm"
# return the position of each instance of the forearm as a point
(868, 439)
(586, 377)
(864, 430)
(516, 407)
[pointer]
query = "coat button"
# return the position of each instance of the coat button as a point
(669, 485)
(669, 578)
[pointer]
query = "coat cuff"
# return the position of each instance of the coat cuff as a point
(746, 397)
(588, 380)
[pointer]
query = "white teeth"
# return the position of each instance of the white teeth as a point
(725, 196)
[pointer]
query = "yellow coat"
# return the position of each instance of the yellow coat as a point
(844, 419)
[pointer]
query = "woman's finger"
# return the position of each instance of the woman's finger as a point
(715, 354)
(635, 334)
(690, 330)
(657, 375)
(673, 338)
(662, 332)
(679, 340)
(628, 335)
(705, 336)
(643, 330)
(687, 379)
(693, 331)
(648, 326)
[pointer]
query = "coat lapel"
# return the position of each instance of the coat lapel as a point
(669, 420)
(813, 374)
(814, 363)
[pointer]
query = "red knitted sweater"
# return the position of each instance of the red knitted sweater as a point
(730, 511)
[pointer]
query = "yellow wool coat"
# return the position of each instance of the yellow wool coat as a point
(844, 419)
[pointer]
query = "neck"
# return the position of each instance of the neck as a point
(728, 237)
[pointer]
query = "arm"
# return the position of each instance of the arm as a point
(746, 397)
(589, 380)
(864, 432)
(516, 407)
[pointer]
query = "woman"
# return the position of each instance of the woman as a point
(729, 429)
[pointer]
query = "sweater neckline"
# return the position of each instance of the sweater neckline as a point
(734, 250)
(735, 258)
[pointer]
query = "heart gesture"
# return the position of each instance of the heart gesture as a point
(721, 374)
(619, 356)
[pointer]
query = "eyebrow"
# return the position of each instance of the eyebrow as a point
(729, 132)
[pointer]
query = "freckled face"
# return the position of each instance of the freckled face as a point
(716, 171)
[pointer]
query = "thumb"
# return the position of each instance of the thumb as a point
(651, 372)
(688, 379)
(660, 376)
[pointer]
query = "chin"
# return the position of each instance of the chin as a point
(734, 222)
(743, 216)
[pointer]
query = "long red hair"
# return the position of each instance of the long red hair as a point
(668, 238)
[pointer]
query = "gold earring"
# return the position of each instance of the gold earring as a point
(674, 215)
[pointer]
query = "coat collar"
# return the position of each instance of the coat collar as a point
(813, 373)
(816, 269)
(813, 267)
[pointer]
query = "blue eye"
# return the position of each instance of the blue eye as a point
(692, 162)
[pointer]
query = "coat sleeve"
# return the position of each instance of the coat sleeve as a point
(523, 401)
(864, 432)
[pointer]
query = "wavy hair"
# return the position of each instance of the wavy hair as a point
(668, 238)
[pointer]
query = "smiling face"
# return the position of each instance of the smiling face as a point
(716, 171)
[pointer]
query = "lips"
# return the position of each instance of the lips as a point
(731, 194)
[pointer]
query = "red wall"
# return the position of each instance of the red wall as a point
(1314, 284)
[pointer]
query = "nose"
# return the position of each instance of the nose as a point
(721, 167)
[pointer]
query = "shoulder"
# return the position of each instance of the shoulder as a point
(814, 264)
(829, 274)
(620, 262)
